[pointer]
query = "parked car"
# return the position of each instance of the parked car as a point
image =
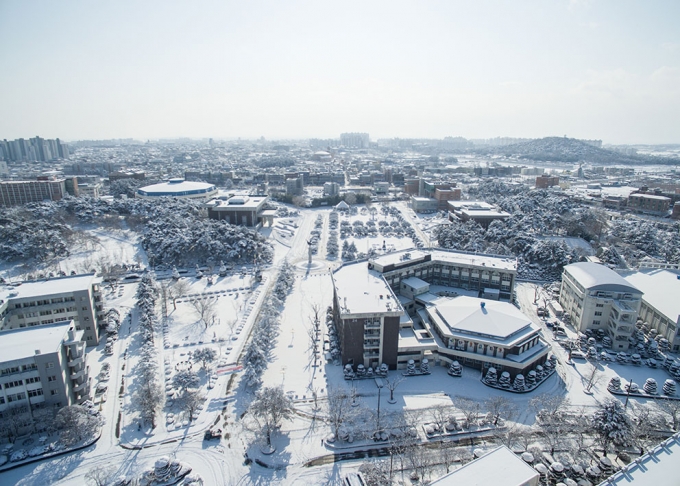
(212, 434)
(19, 455)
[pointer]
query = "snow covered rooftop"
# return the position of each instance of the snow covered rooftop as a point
(593, 276)
(239, 201)
(500, 466)
(415, 283)
(660, 288)
(23, 343)
(59, 285)
(176, 187)
(495, 319)
(363, 291)
(404, 257)
(659, 466)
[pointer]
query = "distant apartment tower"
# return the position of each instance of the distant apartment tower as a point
(331, 189)
(544, 181)
(15, 193)
(44, 302)
(34, 149)
(41, 367)
(354, 140)
(295, 185)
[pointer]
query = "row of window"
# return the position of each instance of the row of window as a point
(57, 300)
(28, 381)
(18, 369)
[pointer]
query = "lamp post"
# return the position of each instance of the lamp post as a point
(625, 405)
(380, 386)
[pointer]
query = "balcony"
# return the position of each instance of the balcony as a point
(79, 387)
(371, 354)
(372, 344)
(75, 361)
(372, 325)
(78, 374)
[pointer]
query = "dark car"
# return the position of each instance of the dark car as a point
(212, 434)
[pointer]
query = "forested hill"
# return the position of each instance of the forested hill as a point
(571, 150)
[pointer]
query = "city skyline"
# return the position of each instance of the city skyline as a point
(586, 69)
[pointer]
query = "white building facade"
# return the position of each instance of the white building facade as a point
(596, 297)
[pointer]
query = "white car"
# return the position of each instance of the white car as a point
(19, 455)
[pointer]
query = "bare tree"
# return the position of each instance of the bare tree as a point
(671, 408)
(392, 384)
(14, 418)
(100, 475)
(178, 290)
(525, 436)
(75, 423)
(592, 377)
(440, 415)
(270, 407)
(190, 400)
(376, 473)
(420, 460)
(469, 408)
(552, 431)
(500, 408)
(206, 309)
(447, 453)
(340, 411)
(581, 432)
(551, 405)
(646, 425)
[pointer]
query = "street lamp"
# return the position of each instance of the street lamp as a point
(380, 386)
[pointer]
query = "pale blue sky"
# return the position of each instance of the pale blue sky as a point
(296, 69)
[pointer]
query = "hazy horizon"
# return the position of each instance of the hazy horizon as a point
(77, 70)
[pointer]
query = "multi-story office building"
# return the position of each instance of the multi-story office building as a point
(660, 307)
(544, 181)
(45, 302)
(374, 302)
(649, 203)
(14, 193)
(241, 210)
(596, 297)
(43, 366)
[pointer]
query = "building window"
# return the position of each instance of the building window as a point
(35, 393)
(10, 370)
(596, 323)
(598, 313)
(599, 305)
(52, 378)
(35, 379)
(54, 392)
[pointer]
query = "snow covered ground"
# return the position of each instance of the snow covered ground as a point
(237, 299)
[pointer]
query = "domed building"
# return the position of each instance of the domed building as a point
(178, 188)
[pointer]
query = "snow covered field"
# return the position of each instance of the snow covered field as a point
(293, 366)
